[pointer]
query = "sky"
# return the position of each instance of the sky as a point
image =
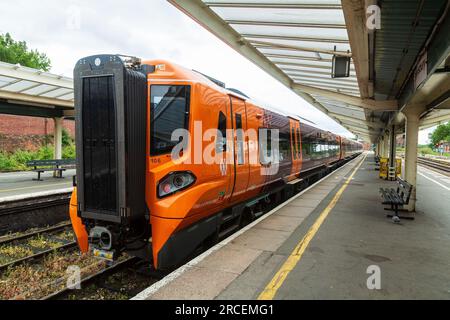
(149, 29)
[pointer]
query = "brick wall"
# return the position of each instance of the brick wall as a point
(28, 133)
(21, 125)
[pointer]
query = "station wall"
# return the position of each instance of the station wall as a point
(28, 133)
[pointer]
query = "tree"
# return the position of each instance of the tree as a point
(442, 132)
(12, 51)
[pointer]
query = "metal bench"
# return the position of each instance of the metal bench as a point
(396, 197)
(56, 165)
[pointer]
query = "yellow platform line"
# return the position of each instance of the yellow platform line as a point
(290, 263)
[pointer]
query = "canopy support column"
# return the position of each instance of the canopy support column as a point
(412, 138)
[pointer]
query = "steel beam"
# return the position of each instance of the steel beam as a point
(273, 5)
(294, 38)
(300, 48)
(285, 24)
(308, 72)
(355, 19)
(35, 99)
(27, 110)
(323, 77)
(327, 81)
(386, 105)
(375, 125)
(295, 57)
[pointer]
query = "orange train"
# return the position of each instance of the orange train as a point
(133, 196)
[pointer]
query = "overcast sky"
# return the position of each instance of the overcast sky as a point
(69, 30)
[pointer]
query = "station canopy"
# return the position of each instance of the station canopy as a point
(295, 41)
(27, 91)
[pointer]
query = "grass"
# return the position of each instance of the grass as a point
(42, 242)
(425, 150)
(10, 253)
(13, 251)
(32, 281)
(428, 151)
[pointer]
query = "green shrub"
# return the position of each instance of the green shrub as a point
(6, 161)
(18, 160)
(66, 138)
(426, 150)
(22, 156)
(45, 153)
(68, 152)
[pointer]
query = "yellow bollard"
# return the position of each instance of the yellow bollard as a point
(384, 168)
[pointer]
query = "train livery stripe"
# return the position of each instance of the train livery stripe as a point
(293, 259)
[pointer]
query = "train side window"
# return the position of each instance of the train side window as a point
(285, 146)
(265, 145)
(240, 139)
(221, 142)
(299, 143)
(307, 148)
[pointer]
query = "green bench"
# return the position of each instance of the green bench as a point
(57, 165)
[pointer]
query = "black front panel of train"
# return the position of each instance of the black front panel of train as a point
(111, 117)
(99, 145)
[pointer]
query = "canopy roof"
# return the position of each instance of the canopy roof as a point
(24, 88)
(295, 40)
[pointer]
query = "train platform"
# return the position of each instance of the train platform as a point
(328, 242)
(21, 184)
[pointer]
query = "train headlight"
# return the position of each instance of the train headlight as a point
(175, 181)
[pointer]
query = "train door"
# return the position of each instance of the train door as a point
(295, 147)
(241, 163)
(299, 145)
(341, 148)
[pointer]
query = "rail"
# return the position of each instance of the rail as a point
(434, 163)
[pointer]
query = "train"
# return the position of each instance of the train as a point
(169, 160)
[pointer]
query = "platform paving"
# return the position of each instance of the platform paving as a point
(21, 183)
(412, 256)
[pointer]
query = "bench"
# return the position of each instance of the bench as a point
(57, 165)
(396, 197)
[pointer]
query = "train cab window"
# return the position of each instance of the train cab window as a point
(240, 139)
(169, 110)
(221, 142)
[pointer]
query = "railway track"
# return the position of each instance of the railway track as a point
(9, 239)
(95, 278)
(440, 165)
(99, 280)
(20, 258)
(31, 246)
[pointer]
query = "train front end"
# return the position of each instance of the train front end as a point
(108, 209)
